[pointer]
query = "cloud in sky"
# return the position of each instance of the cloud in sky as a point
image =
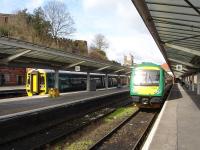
(32, 4)
(118, 20)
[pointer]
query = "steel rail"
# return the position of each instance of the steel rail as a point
(143, 136)
(101, 141)
(52, 137)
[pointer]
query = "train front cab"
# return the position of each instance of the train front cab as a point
(36, 83)
(148, 95)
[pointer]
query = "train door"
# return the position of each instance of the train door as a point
(35, 85)
(28, 84)
(42, 84)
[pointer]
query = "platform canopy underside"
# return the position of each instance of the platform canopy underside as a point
(175, 27)
(17, 53)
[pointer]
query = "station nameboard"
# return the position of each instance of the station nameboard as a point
(77, 68)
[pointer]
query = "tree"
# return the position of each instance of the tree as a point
(97, 55)
(98, 47)
(100, 42)
(39, 23)
(60, 20)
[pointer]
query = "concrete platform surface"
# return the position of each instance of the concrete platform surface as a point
(11, 88)
(178, 124)
(27, 104)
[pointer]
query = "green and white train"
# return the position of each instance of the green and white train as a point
(149, 85)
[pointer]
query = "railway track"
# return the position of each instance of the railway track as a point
(54, 133)
(129, 134)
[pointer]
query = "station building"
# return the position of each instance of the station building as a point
(12, 76)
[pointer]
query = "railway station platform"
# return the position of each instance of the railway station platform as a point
(6, 90)
(178, 124)
(24, 105)
(12, 88)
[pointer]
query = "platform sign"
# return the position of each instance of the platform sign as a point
(179, 67)
(77, 68)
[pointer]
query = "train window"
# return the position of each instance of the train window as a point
(42, 80)
(146, 77)
(20, 80)
(2, 79)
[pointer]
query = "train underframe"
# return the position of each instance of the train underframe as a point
(148, 102)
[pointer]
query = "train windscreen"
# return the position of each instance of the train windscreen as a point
(146, 77)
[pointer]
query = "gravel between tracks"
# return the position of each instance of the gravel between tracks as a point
(92, 133)
(126, 137)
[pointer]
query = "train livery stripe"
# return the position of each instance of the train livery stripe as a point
(148, 68)
(146, 90)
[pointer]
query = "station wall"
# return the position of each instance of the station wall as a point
(12, 76)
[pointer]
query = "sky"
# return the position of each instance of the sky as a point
(117, 20)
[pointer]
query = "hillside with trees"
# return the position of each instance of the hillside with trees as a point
(51, 26)
(98, 47)
(42, 28)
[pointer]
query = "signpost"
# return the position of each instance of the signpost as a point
(77, 68)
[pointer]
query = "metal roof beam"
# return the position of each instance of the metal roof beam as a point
(12, 57)
(184, 49)
(183, 38)
(170, 12)
(74, 64)
(172, 32)
(172, 54)
(191, 45)
(55, 52)
(128, 72)
(175, 19)
(167, 4)
(118, 70)
(177, 29)
(191, 5)
(102, 68)
(175, 23)
(173, 40)
(163, 35)
(184, 63)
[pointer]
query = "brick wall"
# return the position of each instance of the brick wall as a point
(12, 76)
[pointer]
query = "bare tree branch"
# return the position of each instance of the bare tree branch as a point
(100, 42)
(62, 24)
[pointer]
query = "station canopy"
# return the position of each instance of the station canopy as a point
(175, 27)
(17, 53)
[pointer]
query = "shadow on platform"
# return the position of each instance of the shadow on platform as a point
(175, 93)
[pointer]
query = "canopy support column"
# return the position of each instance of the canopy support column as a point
(56, 79)
(198, 84)
(192, 82)
(88, 81)
(106, 81)
(118, 81)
